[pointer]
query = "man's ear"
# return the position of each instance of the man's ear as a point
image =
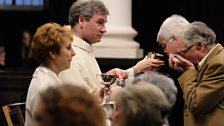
(81, 20)
(201, 45)
(52, 54)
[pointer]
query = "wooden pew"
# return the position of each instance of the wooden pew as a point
(14, 86)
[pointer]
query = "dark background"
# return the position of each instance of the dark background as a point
(146, 20)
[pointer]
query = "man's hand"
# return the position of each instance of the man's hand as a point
(147, 65)
(180, 64)
(121, 74)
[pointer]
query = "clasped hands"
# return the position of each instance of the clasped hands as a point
(180, 64)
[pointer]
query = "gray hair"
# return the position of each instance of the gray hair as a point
(198, 31)
(165, 83)
(171, 27)
(85, 8)
(142, 104)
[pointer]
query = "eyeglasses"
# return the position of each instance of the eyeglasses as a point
(183, 52)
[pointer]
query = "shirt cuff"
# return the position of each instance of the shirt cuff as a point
(130, 72)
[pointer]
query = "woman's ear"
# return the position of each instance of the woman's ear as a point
(52, 54)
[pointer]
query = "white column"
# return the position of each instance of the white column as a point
(118, 41)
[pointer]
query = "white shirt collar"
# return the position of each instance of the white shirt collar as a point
(206, 56)
(78, 42)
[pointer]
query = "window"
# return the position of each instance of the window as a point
(21, 4)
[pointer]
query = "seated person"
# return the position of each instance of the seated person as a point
(142, 104)
(51, 47)
(68, 105)
(165, 83)
(2, 55)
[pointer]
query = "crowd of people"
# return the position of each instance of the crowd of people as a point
(64, 90)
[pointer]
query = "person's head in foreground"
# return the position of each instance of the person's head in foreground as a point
(68, 105)
(164, 82)
(142, 104)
